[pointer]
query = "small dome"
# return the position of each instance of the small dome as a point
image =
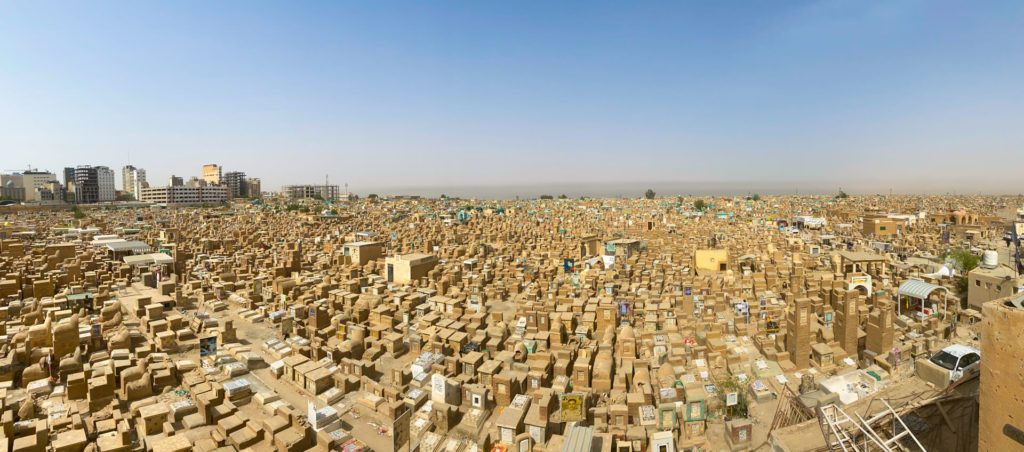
(627, 332)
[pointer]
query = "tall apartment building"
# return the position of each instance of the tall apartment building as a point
(105, 181)
(69, 176)
(87, 187)
(255, 188)
(235, 181)
(328, 192)
(94, 184)
(184, 194)
(36, 183)
(212, 174)
(175, 181)
(134, 179)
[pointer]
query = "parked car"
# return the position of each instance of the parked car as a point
(958, 360)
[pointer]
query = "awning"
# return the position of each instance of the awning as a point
(916, 288)
(134, 246)
(105, 240)
(146, 259)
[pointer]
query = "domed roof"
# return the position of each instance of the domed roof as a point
(627, 332)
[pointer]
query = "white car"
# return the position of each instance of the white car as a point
(958, 360)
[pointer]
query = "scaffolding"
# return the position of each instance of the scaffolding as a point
(789, 411)
(885, 431)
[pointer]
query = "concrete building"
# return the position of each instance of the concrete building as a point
(711, 260)
(184, 195)
(363, 252)
(9, 192)
(105, 184)
(212, 174)
(175, 181)
(133, 180)
(1002, 350)
(235, 181)
(881, 226)
(328, 192)
(254, 187)
(402, 269)
(34, 182)
(52, 192)
(69, 176)
(87, 188)
(987, 284)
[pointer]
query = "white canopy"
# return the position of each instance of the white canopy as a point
(147, 259)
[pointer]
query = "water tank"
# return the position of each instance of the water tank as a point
(990, 259)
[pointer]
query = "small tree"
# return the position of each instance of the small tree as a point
(649, 194)
(842, 195)
(444, 196)
(732, 385)
(318, 197)
(562, 196)
(372, 196)
(699, 204)
(962, 261)
(77, 211)
(756, 197)
(546, 197)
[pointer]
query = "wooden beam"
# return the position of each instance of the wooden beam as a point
(945, 416)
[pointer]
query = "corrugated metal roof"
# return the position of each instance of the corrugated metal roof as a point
(918, 289)
(130, 245)
(578, 439)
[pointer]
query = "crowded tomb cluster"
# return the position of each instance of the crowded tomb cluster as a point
(404, 323)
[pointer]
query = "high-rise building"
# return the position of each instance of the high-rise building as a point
(69, 176)
(105, 183)
(212, 174)
(255, 189)
(35, 183)
(176, 181)
(87, 188)
(235, 181)
(126, 178)
(133, 179)
(94, 184)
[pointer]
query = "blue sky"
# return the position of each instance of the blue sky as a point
(397, 94)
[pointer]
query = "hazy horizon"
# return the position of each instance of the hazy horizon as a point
(668, 188)
(907, 95)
